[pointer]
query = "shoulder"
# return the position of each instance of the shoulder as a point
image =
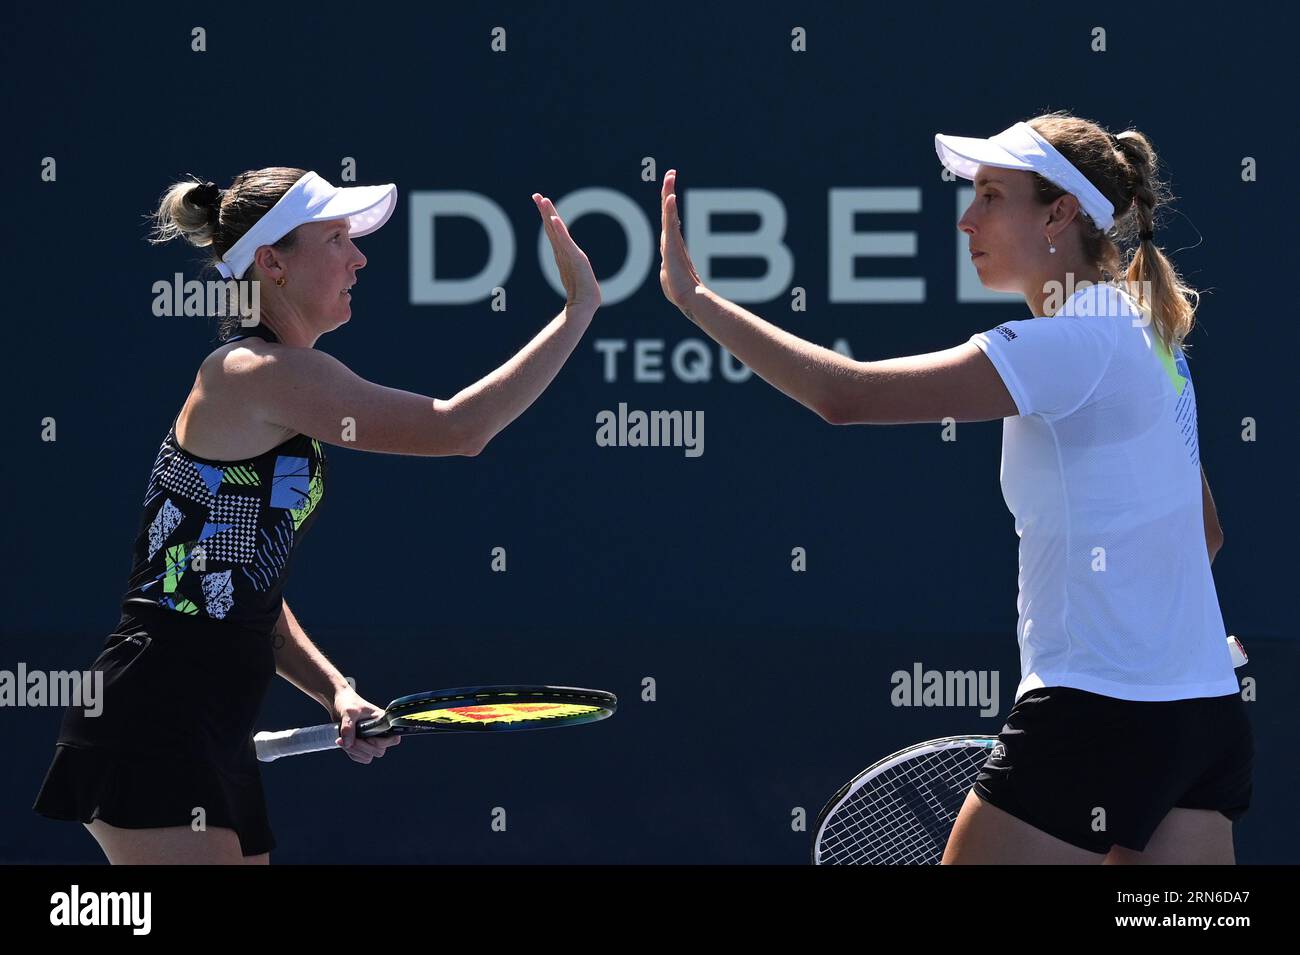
(254, 360)
(222, 419)
(231, 358)
(269, 378)
(262, 365)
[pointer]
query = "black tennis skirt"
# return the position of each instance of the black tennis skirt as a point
(1065, 753)
(173, 741)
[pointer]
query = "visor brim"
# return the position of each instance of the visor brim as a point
(963, 155)
(365, 207)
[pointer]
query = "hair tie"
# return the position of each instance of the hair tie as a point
(1146, 236)
(206, 196)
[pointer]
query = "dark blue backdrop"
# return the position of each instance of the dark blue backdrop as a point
(624, 563)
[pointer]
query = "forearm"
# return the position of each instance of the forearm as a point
(808, 373)
(299, 661)
(492, 402)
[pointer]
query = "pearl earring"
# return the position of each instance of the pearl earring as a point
(1051, 246)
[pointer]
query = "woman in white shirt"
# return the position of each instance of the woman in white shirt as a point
(1128, 741)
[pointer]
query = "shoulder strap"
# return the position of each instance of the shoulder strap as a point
(260, 330)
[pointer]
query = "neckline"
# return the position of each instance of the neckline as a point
(215, 462)
(1110, 284)
(255, 331)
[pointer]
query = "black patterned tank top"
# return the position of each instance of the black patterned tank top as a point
(216, 537)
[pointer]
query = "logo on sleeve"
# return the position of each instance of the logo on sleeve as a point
(1175, 368)
(1005, 332)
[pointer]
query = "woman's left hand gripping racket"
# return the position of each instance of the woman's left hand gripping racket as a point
(466, 709)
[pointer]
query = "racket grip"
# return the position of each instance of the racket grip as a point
(1238, 652)
(308, 739)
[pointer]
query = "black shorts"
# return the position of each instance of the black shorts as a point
(173, 743)
(1096, 771)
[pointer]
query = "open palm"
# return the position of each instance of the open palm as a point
(677, 274)
(580, 285)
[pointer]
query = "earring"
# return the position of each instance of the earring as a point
(1051, 245)
(280, 281)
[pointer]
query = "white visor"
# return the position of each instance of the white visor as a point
(1020, 147)
(311, 199)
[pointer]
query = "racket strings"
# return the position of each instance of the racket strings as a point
(902, 815)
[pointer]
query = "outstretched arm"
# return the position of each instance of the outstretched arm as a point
(310, 392)
(487, 406)
(959, 382)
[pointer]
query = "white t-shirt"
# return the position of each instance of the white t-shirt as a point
(1101, 471)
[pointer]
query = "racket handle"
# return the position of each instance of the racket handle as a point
(1238, 652)
(308, 739)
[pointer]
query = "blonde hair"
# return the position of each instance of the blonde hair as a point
(218, 224)
(1125, 169)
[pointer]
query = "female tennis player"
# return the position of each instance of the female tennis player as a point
(1128, 741)
(167, 773)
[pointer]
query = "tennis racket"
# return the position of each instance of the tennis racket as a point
(900, 810)
(466, 709)
(1238, 652)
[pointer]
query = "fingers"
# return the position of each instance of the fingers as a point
(556, 230)
(670, 218)
(555, 225)
(671, 243)
(360, 753)
(668, 195)
(350, 715)
(558, 225)
(546, 209)
(366, 749)
(542, 203)
(664, 191)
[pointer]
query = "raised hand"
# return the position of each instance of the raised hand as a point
(677, 275)
(579, 280)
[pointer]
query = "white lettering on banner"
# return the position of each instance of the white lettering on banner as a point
(847, 245)
(691, 360)
(706, 245)
(426, 287)
(766, 243)
(646, 359)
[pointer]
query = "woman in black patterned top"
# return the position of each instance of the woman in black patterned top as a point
(237, 482)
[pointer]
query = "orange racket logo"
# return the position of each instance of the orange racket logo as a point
(501, 713)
